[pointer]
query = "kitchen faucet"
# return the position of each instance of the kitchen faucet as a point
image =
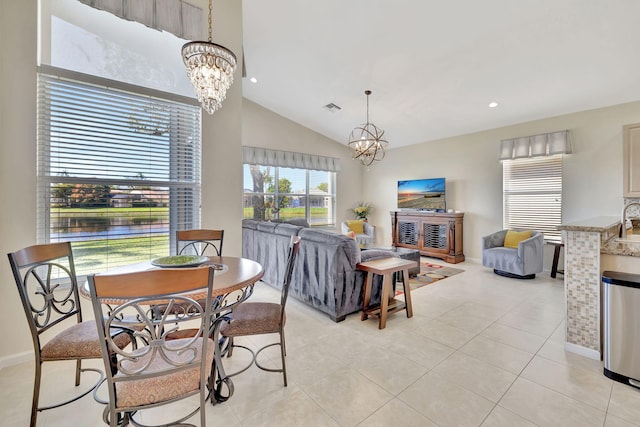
(623, 226)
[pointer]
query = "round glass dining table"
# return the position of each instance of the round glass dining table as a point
(232, 284)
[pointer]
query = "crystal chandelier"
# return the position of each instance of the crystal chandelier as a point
(367, 141)
(210, 68)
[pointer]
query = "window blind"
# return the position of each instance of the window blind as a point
(118, 171)
(532, 195)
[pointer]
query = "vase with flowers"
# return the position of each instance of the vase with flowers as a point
(362, 211)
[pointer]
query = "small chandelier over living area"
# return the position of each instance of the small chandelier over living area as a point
(367, 141)
(210, 68)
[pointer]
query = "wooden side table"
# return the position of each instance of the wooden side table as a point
(388, 304)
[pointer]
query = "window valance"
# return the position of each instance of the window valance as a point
(175, 16)
(546, 144)
(288, 159)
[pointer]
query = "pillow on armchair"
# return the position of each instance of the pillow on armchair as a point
(356, 225)
(365, 232)
(513, 238)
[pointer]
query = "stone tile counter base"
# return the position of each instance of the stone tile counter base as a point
(584, 242)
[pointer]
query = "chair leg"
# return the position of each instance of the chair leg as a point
(284, 346)
(283, 354)
(78, 369)
(36, 394)
(113, 363)
(230, 347)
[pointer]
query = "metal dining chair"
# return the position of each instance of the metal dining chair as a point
(160, 370)
(199, 242)
(48, 288)
(257, 318)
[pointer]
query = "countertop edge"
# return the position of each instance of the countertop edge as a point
(596, 225)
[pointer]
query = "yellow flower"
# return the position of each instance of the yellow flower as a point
(362, 210)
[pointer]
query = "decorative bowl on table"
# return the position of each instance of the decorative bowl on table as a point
(175, 261)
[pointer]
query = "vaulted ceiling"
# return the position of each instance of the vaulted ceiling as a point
(434, 66)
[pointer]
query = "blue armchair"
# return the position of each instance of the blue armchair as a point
(522, 262)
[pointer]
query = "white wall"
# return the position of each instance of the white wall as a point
(264, 128)
(592, 176)
(18, 32)
(222, 138)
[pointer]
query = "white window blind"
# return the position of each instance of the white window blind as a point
(118, 171)
(532, 195)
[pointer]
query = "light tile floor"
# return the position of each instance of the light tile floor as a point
(481, 350)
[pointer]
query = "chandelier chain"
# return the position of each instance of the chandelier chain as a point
(210, 21)
(367, 108)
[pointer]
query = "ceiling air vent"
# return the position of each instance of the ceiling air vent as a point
(332, 107)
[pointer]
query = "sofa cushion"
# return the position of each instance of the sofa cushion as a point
(266, 226)
(298, 221)
(371, 254)
(349, 245)
(284, 229)
(513, 238)
(250, 223)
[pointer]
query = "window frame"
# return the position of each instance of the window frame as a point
(276, 194)
(182, 182)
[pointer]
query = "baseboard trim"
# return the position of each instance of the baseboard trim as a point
(16, 359)
(583, 351)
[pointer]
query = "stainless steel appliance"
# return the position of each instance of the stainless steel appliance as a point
(621, 300)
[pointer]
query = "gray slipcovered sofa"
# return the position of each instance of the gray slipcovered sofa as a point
(521, 263)
(324, 276)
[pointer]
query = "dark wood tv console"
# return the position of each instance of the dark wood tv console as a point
(434, 234)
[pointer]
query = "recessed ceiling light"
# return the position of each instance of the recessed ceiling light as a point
(493, 104)
(253, 80)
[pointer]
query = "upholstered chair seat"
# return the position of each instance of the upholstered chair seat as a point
(79, 341)
(162, 388)
(253, 319)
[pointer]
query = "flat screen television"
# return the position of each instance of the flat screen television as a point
(425, 194)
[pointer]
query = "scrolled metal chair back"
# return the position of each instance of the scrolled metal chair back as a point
(153, 328)
(46, 281)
